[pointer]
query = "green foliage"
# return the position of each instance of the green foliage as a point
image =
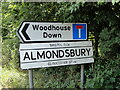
(103, 27)
(110, 43)
(105, 75)
(58, 77)
(10, 53)
(12, 78)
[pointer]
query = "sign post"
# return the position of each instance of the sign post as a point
(82, 76)
(31, 83)
(49, 44)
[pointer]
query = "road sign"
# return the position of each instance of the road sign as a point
(47, 31)
(79, 31)
(38, 55)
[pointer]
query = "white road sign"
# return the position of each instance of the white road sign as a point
(49, 31)
(38, 55)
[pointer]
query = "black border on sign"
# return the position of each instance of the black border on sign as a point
(51, 40)
(19, 30)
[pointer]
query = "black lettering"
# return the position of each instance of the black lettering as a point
(88, 51)
(54, 35)
(67, 53)
(59, 35)
(65, 62)
(61, 28)
(83, 52)
(49, 63)
(49, 27)
(72, 53)
(69, 28)
(77, 52)
(54, 63)
(26, 56)
(35, 27)
(44, 35)
(39, 56)
(65, 27)
(49, 35)
(48, 54)
(32, 56)
(45, 27)
(57, 28)
(41, 28)
(55, 54)
(61, 53)
(53, 27)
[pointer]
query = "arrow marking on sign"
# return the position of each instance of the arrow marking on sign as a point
(24, 31)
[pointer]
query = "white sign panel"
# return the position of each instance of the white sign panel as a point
(47, 31)
(38, 55)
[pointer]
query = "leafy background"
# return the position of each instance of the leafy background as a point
(103, 21)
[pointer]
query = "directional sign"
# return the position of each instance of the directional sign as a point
(47, 31)
(38, 55)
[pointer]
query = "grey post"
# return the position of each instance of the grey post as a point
(82, 76)
(31, 79)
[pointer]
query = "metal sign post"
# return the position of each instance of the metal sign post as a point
(82, 76)
(30, 72)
